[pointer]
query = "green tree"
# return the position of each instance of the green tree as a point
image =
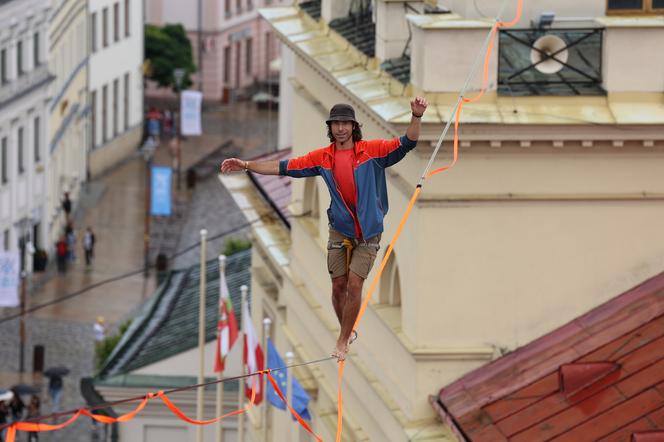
(168, 48)
(234, 245)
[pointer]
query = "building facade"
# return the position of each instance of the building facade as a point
(68, 110)
(24, 154)
(236, 45)
(552, 210)
(115, 81)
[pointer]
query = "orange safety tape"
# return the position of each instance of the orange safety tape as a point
(39, 427)
(186, 418)
(411, 203)
(292, 410)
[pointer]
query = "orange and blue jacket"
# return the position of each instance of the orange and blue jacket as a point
(371, 159)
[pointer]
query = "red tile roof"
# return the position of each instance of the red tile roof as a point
(599, 377)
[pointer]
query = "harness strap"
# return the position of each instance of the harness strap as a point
(348, 244)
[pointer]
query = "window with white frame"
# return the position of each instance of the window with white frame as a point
(35, 50)
(20, 148)
(36, 139)
(93, 32)
(104, 27)
(116, 97)
(4, 158)
(19, 58)
(126, 101)
(3, 66)
(116, 22)
(127, 18)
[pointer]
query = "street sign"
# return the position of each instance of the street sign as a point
(190, 111)
(9, 279)
(160, 201)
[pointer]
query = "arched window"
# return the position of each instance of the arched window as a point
(311, 200)
(390, 283)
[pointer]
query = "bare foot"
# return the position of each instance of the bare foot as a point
(340, 352)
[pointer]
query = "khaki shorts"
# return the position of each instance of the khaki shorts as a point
(362, 257)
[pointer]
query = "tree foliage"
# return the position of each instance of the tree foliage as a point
(168, 48)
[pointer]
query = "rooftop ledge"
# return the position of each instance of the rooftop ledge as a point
(388, 100)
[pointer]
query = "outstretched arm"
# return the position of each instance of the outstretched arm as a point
(261, 167)
(417, 106)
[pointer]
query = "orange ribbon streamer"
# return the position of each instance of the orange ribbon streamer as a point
(40, 427)
(299, 418)
(411, 203)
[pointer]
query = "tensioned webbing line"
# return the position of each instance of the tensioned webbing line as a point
(486, 49)
(36, 425)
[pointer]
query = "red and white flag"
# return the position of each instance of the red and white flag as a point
(252, 356)
(226, 326)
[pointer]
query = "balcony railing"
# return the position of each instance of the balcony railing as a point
(22, 85)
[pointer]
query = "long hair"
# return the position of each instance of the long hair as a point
(357, 132)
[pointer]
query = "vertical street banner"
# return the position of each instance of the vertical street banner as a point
(160, 184)
(190, 112)
(9, 279)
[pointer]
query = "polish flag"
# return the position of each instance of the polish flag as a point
(227, 330)
(252, 356)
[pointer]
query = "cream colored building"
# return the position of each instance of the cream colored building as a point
(115, 81)
(554, 207)
(24, 81)
(68, 107)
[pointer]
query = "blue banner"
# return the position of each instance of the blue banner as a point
(160, 201)
(300, 401)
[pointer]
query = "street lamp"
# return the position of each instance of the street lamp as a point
(178, 76)
(148, 151)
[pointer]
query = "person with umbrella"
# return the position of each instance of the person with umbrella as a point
(16, 406)
(55, 383)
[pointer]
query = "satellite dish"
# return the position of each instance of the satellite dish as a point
(549, 44)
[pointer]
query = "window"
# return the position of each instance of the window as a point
(250, 5)
(227, 8)
(238, 6)
(5, 240)
(248, 55)
(4, 176)
(116, 95)
(635, 6)
(21, 157)
(36, 124)
(3, 66)
(268, 53)
(35, 50)
(127, 18)
(93, 32)
(104, 113)
(126, 101)
(93, 118)
(104, 27)
(19, 58)
(227, 64)
(116, 22)
(238, 65)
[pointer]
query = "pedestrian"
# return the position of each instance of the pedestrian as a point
(16, 406)
(4, 413)
(168, 122)
(55, 392)
(354, 171)
(70, 237)
(61, 254)
(89, 245)
(100, 329)
(34, 411)
(66, 206)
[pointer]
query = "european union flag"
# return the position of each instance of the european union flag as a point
(300, 400)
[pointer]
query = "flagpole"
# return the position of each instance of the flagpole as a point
(201, 338)
(267, 323)
(244, 289)
(220, 385)
(289, 391)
